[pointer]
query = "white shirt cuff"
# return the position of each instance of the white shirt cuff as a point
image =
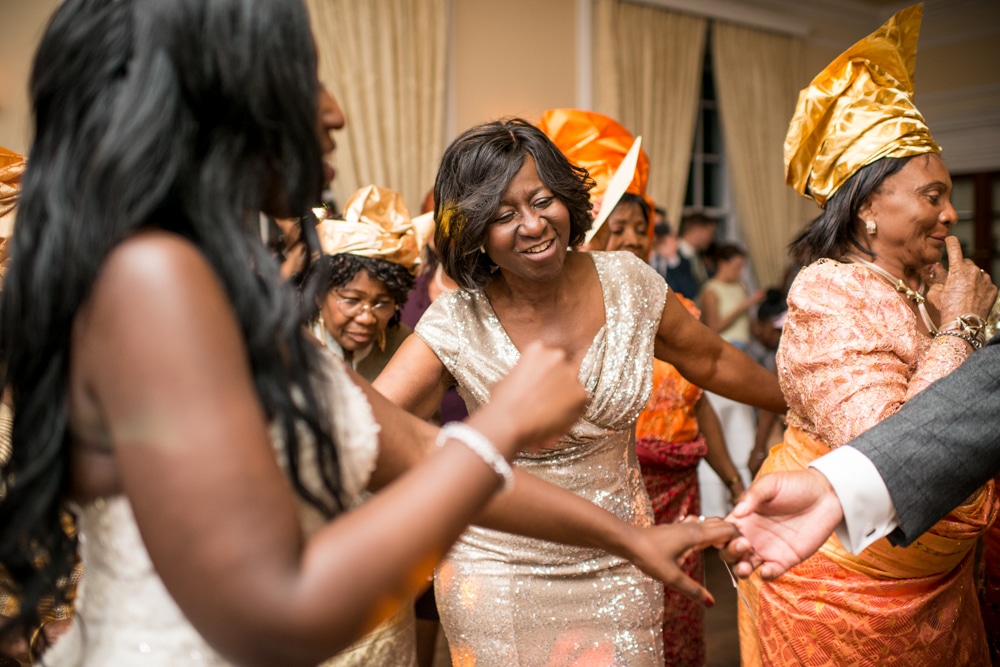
(869, 513)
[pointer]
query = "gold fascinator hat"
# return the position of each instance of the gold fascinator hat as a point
(11, 168)
(858, 110)
(376, 223)
(603, 147)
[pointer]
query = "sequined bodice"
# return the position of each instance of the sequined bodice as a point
(125, 616)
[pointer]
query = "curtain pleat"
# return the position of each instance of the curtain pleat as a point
(648, 64)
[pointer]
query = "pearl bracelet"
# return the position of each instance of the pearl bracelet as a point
(481, 446)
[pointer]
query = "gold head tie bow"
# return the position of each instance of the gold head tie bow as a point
(858, 110)
(376, 223)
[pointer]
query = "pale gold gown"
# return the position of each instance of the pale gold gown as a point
(125, 617)
(507, 600)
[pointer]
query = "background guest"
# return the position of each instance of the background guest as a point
(695, 236)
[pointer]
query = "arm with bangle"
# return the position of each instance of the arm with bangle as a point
(533, 507)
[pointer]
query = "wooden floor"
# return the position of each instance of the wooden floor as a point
(721, 634)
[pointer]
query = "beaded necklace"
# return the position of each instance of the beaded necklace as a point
(915, 296)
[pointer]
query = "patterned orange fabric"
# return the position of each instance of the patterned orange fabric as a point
(851, 354)
(887, 606)
(989, 588)
(669, 415)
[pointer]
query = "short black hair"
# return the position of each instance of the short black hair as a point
(773, 305)
(474, 173)
(696, 220)
(724, 252)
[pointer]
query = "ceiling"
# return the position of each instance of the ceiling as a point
(836, 24)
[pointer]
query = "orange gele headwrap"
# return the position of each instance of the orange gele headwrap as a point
(376, 224)
(598, 144)
(858, 110)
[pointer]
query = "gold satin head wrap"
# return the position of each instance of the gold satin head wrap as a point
(858, 110)
(376, 224)
(598, 144)
(11, 167)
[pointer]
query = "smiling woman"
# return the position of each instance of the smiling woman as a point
(509, 207)
(863, 335)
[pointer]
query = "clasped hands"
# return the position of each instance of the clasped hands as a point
(783, 518)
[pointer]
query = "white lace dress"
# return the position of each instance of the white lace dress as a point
(125, 616)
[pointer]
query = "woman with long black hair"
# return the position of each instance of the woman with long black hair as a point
(164, 388)
(156, 361)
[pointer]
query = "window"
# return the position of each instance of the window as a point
(976, 198)
(708, 187)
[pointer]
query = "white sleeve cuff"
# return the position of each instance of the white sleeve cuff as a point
(869, 513)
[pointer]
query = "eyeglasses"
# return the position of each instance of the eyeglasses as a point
(352, 307)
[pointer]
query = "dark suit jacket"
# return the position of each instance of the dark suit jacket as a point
(941, 446)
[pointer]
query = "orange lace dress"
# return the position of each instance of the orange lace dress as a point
(851, 355)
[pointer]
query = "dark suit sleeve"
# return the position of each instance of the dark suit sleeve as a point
(941, 446)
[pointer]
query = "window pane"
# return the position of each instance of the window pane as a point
(963, 199)
(712, 187)
(712, 131)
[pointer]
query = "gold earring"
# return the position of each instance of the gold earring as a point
(871, 227)
(319, 328)
(381, 340)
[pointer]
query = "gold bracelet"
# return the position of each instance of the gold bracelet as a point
(733, 481)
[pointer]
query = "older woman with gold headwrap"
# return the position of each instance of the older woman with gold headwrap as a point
(354, 292)
(863, 335)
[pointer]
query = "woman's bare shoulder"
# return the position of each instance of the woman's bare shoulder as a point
(154, 259)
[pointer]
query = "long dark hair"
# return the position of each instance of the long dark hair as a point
(182, 115)
(834, 233)
(475, 170)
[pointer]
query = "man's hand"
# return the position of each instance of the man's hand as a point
(783, 518)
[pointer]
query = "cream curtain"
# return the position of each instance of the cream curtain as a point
(384, 61)
(648, 64)
(758, 76)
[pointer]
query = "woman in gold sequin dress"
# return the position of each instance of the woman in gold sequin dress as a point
(860, 340)
(509, 206)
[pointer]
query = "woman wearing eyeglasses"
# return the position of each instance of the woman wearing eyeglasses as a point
(352, 296)
(354, 292)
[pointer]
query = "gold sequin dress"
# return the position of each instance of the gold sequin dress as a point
(125, 616)
(509, 600)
